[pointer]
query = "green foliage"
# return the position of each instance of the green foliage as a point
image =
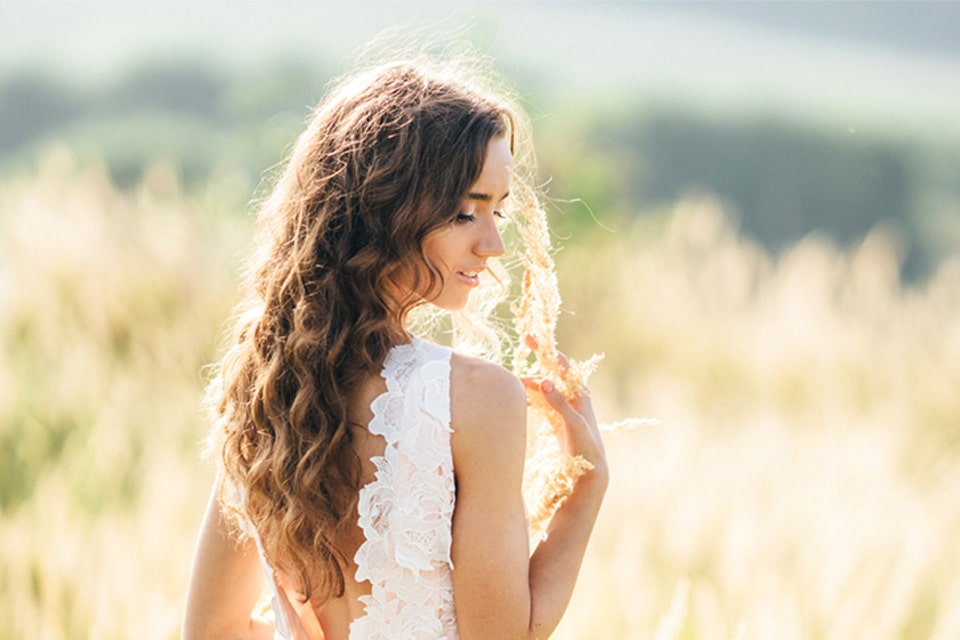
(781, 180)
(178, 86)
(604, 165)
(33, 105)
(185, 113)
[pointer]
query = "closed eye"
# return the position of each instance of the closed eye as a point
(469, 217)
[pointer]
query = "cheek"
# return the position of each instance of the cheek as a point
(441, 247)
(430, 250)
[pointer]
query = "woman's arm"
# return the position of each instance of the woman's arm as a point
(225, 584)
(500, 590)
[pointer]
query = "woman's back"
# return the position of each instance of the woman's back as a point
(398, 581)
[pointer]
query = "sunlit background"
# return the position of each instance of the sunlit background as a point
(758, 206)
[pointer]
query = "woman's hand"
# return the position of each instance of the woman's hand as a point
(578, 432)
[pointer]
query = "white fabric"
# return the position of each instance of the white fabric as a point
(281, 626)
(406, 511)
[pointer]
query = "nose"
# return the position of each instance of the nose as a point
(489, 244)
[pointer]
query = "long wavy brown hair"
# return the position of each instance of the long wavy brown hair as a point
(386, 158)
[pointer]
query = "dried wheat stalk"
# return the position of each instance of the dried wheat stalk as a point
(549, 475)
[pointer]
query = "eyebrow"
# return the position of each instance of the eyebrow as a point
(485, 197)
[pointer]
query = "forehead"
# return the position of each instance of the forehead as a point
(494, 180)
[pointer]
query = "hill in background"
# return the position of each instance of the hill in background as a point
(812, 117)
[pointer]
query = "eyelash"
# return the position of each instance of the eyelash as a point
(466, 217)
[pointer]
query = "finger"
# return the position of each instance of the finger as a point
(531, 382)
(559, 403)
(562, 360)
(531, 385)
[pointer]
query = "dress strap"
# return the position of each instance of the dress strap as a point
(280, 623)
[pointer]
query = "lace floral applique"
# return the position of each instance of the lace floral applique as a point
(406, 511)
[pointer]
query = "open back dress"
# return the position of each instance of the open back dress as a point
(406, 511)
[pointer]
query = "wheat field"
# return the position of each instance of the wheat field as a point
(804, 481)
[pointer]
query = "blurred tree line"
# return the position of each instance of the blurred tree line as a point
(782, 180)
(195, 116)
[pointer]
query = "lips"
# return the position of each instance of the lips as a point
(470, 276)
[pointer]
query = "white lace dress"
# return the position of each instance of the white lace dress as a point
(406, 511)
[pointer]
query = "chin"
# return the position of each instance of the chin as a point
(450, 303)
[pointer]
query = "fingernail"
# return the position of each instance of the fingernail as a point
(547, 386)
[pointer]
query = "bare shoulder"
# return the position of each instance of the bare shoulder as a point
(485, 397)
(488, 415)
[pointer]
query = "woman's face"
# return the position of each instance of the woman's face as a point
(460, 250)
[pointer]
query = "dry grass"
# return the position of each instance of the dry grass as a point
(803, 483)
(804, 480)
(110, 307)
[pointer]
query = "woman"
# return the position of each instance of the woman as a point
(377, 476)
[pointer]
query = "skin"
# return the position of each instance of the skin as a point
(501, 590)
(462, 249)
